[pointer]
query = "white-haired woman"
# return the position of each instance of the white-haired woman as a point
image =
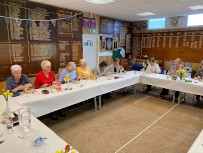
(18, 81)
(45, 77)
(83, 71)
(70, 69)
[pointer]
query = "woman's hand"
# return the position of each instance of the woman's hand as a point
(45, 85)
(198, 77)
(172, 72)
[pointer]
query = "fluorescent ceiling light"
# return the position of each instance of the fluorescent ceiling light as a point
(100, 1)
(145, 14)
(196, 7)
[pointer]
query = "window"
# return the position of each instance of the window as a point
(195, 20)
(157, 23)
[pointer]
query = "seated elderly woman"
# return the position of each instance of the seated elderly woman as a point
(18, 81)
(83, 71)
(101, 69)
(45, 77)
(114, 68)
(173, 70)
(199, 77)
(70, 69)
(152, 68)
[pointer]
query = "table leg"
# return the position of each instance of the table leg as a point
(174, 96)
(179, 98)
(99, 102)
(95, 103)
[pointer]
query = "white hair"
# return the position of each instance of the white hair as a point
(82, 61)
(15, 68)
(71, 65)
(201, 64)
(44, 64)
(178, 60)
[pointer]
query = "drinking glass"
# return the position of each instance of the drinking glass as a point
(9, 125)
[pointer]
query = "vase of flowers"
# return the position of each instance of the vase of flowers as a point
(6, 94)
(67, 79)
(182, 73)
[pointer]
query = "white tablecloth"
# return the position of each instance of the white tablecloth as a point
(13, 144)
(164, 81)
(41, 104)
(197, 146)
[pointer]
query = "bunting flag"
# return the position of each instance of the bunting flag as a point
(7, 20)
(60, 21)
(66, 19)
(29, 22)
(53, 21)
(46, 22)
(37, 22)
(18, 22)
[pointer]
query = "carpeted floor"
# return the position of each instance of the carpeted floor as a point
(143, 119)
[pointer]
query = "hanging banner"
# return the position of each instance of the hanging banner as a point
(7, 20)
(53, 21)
(29, 22)
(144, 26)
(18, 22)
(139, 26)
(135, 27)
(46, 23)
(86, 22)
(93, 23)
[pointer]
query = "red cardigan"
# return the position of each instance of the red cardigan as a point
(42, 79)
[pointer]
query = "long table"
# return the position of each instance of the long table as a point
(42, 104)
(164, 81)
(21, 142)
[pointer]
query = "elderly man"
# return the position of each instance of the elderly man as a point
(45, 77)
(173, 70)
(18, 81)
(70, 69)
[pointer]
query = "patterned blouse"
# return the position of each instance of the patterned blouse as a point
(84, 73)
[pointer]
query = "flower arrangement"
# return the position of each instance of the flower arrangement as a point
(6, 94)
(67, 149)
(144, 66)
(182, 73)
(68, 77)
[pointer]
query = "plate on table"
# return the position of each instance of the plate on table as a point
(1, 132)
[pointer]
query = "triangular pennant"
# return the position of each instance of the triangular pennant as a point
(29, 22)
(53, 21)
(60, 21)
(66, 19)
(46, 22)
(37, 22)
(18, 22)
(7, 20)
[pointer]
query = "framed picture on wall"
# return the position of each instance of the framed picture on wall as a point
(103, 44)
(109, 43)
(115, 44)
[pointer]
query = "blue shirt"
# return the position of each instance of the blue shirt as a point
(64, 74)
(11, 84)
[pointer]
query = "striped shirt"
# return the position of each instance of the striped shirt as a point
(11, 84)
